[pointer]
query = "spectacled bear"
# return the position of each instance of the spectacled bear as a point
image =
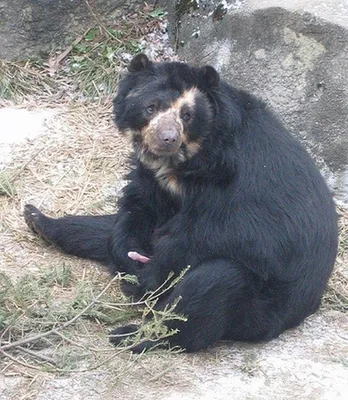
(217, 184)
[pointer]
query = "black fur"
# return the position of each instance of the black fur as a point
(254, 219)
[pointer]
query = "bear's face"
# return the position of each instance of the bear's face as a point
(168, 123)
(166, 109)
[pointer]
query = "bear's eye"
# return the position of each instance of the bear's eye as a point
(187, 116)
(150, 109)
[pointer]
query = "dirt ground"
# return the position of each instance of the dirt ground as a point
(72, 160)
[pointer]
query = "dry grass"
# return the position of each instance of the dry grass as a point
(76, 167)
(73, 168)
(81, 157)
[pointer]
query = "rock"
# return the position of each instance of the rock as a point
(292, 54)
(34, 28)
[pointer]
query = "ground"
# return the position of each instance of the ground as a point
(73, 161)
(302, 364)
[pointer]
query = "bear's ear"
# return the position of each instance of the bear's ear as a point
(208, 76)
(138, 63)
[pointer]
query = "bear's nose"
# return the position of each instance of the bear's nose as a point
(169, 136)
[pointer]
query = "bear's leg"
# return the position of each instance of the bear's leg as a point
(82, 236)
(217, 298)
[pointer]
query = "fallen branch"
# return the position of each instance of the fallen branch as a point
(56, 331)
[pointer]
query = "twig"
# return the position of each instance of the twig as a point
(14, 359)
(66, 339)
(100, 23)
(56, 184)
(74, 343)
(160, 374)
(54, 62)
(61, 327)
(37, 355)
(17, 173)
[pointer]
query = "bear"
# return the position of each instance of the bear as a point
(218, 184)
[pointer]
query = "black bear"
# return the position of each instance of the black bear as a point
(219, 185)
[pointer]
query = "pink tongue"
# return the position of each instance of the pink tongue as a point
(138, 257)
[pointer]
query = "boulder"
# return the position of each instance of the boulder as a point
(30, 28)
(292, 54)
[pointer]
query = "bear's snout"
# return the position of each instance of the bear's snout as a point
(168, 140)
(169, 136)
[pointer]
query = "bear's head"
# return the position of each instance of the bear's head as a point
(167, 108)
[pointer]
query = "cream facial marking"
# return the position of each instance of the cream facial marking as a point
(164, 170)
(166, 177)
(187, 98)
(165, 131)
(192, 148)
(154, 155)
(130, 132)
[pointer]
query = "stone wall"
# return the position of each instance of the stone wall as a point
(293, 54)
(36, 27)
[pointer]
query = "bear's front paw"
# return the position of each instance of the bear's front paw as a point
(128, 333)
(122, 333)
